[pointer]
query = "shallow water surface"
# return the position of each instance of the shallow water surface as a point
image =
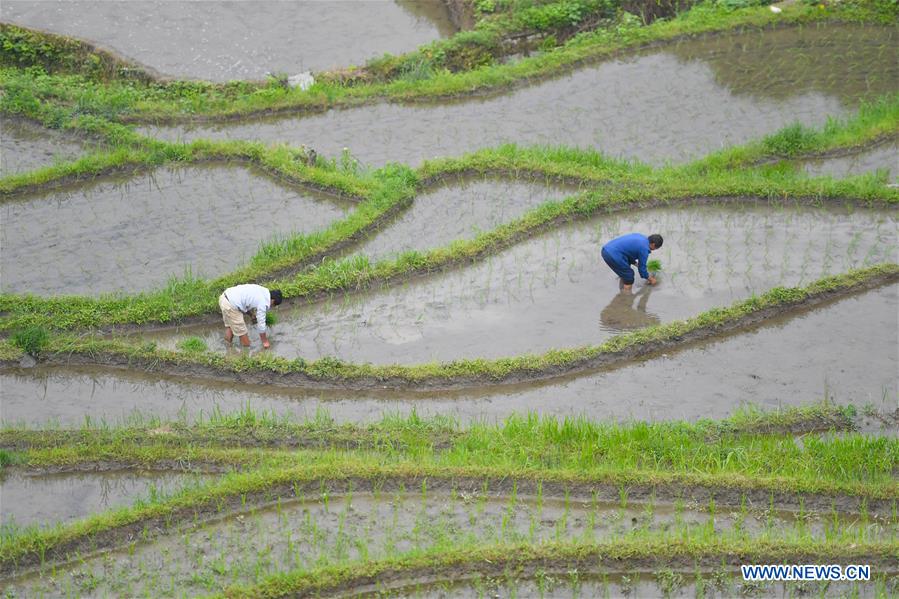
(695, 97)
(459, 208)
(25, 146)
(46, 499)
(554, 290)
(882, 158)
(846, 352)
(222, 41)
(307, 532)
(133, 233)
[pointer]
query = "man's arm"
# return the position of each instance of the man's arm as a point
(641, 266)
(260, 319)
(260, 326)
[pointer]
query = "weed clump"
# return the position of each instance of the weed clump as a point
(654, 265)
(791, 141)
(32, 339)
(271, 319)
(193, 345)
(6, 458)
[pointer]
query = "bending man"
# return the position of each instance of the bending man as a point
(629, 249)
(254, 300)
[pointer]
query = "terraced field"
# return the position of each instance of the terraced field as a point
(458, 401)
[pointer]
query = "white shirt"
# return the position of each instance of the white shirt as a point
(250, 297)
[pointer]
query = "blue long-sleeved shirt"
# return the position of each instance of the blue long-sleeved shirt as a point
(632, 248)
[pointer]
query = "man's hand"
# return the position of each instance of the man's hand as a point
(264, 338)
(652, 280)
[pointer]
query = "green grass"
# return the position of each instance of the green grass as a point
(193, 345)
(394, 187)
(751, 453)
(875, 120)
(31, 340)
(471, 371)
(412, 434)
(577, 556)
(630, 456)
(424, 74)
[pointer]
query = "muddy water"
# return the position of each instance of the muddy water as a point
(133, 233)
(26, 146)
(459, 209)
(46, 499)
(846, 352)
(883, 158)
(304, 533)
(554, 291)
(222, 41)
(695, 103)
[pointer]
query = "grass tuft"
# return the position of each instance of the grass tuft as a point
(32, 339)
(193, 345)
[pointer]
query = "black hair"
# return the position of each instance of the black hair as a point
(656, 240)
(276, 297)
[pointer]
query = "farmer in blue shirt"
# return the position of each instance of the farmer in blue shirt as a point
(629, 249)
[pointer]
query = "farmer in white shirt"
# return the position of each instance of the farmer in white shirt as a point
(254, 300)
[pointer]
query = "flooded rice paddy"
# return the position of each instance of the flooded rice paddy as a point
(555, 291)
(134, 232)
(884, 158)
(574, 583)
(846, 352)
(667, 104)
(695, 95)
(308, 532)
(222, 41)
(47, 499)
(25, 146)
(459, 208)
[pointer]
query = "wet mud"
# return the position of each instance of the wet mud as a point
(698, 102)
(222, 41)
(846, 352)
(133, 233)
(554, 290)
(46, 499)
(882, 158)
(306, 531)
(25, 146)
(459, 208)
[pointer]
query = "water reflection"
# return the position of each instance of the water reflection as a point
(623, 315)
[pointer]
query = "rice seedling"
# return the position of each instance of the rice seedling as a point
(193, 345)
(311, 506)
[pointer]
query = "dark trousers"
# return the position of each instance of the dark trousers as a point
(619, 266)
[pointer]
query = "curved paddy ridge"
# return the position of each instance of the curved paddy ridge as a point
(325, 528)
(845, 351)
(133, 233)
(28, 499)
(610, 580)
(212, 40)
(25, 146)
(554, 291)
(693, 106)
(459, 207)
(882, 158)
